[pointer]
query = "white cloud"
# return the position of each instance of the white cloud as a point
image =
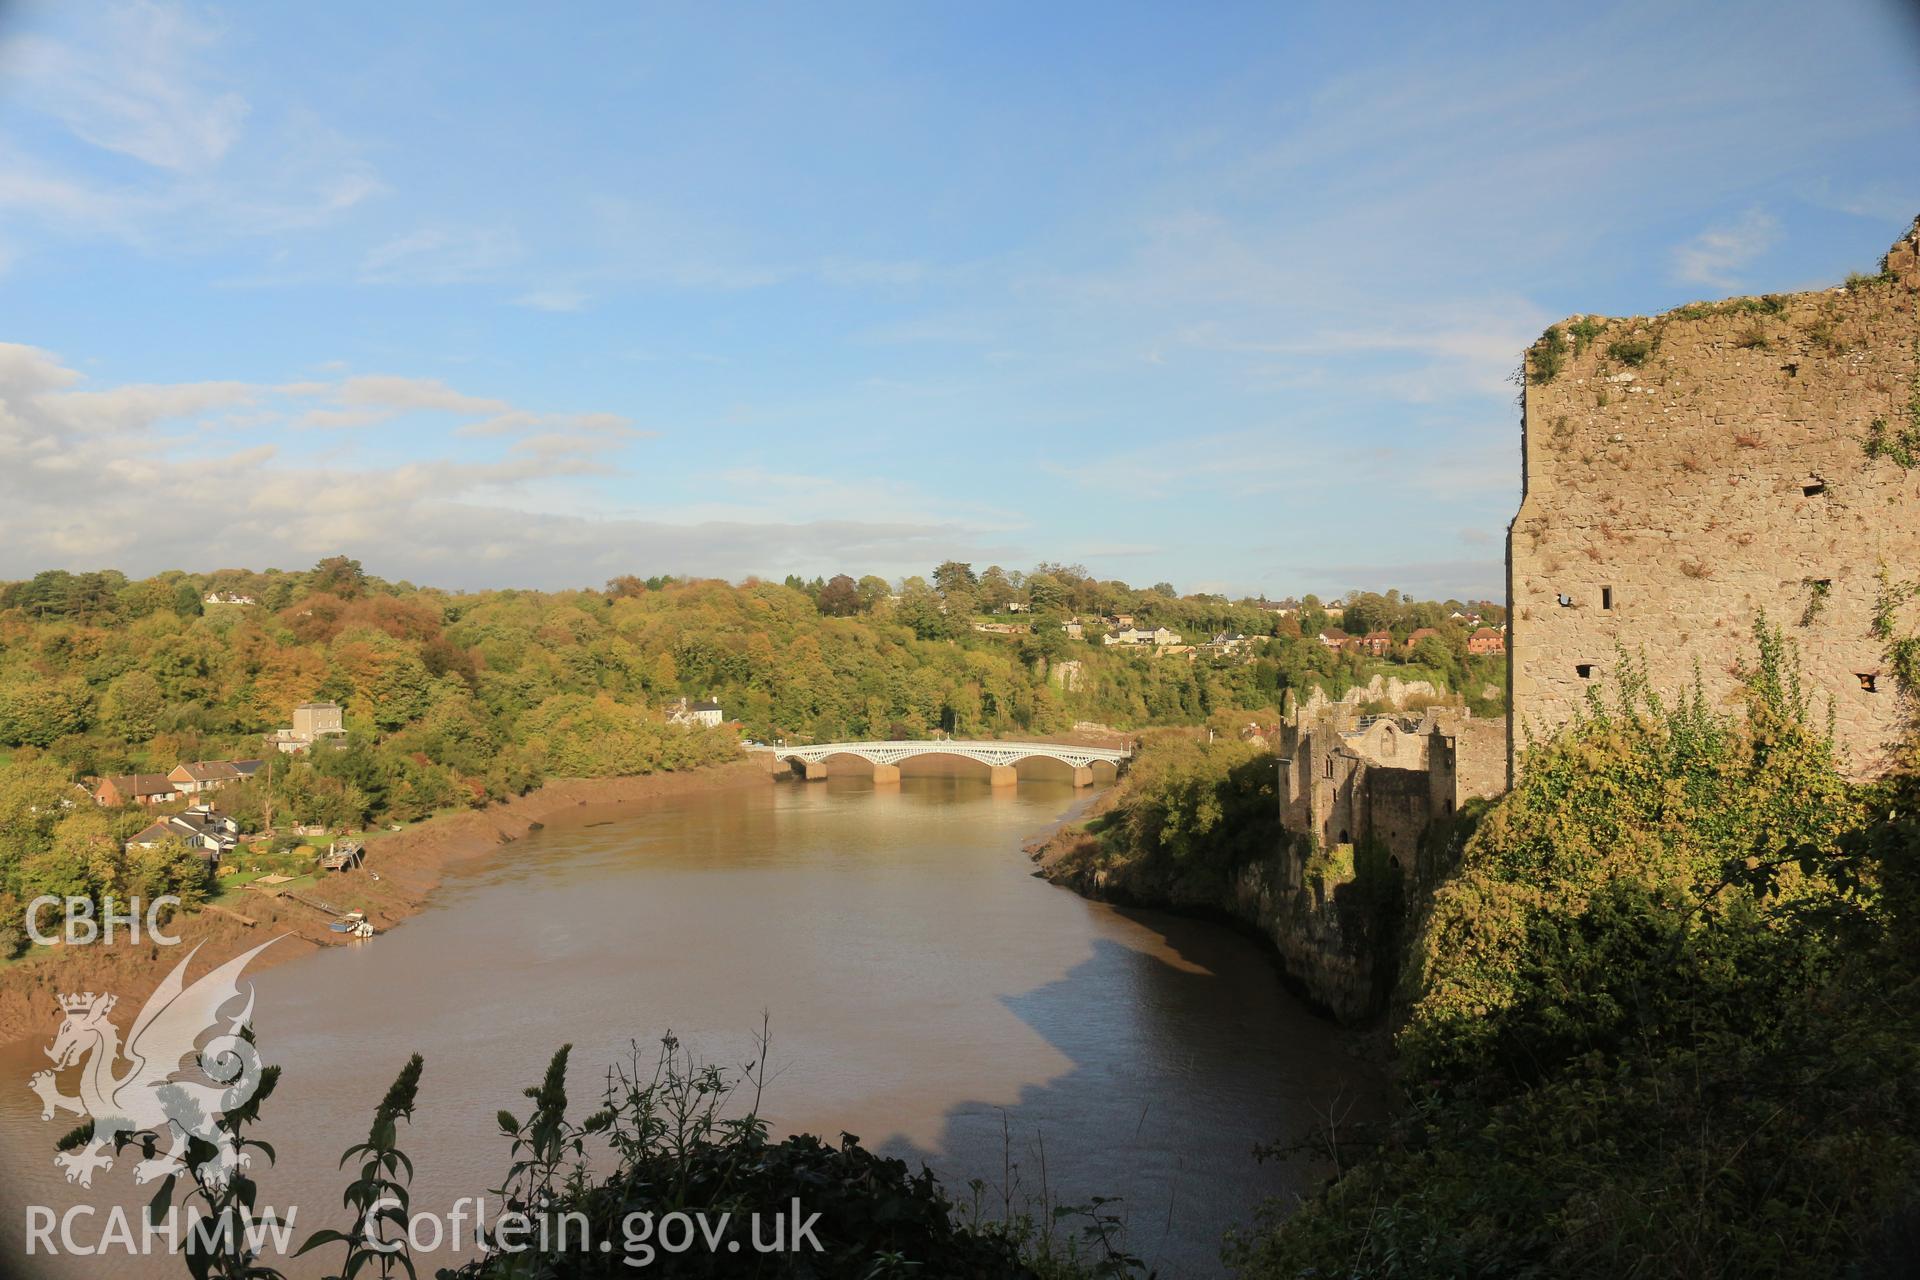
(401, 394)
(142, 80)
(441, 255)
(143, 404)
(1716, 256)
(140, 88)
(553, 300)
(88, 479)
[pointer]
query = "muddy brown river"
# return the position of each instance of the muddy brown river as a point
(925, 992)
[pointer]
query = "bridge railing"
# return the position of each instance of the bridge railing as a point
(986, 750)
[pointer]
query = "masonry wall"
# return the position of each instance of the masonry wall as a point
(1667, 504)
(1398, 809)
(1480, 759)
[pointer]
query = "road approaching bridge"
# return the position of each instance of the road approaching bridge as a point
(999, 757)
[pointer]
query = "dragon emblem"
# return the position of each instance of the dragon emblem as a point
(157, 1092)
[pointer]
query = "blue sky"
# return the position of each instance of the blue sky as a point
(1224, 295)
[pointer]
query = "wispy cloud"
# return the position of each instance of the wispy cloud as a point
(553, 300)
(144, 81)
(441, 255)
(1717, 255)
(143, 90)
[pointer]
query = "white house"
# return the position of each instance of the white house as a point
(706, 712)
(1141, 635)
(201, 827)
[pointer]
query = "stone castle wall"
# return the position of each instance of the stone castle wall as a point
(1667, 503)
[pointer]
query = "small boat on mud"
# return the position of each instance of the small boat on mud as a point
(355, 923)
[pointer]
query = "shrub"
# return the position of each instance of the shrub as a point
(1547, 357)
(1632, 349)
(1584, 331)
(679, 1136)
(1666, 1018)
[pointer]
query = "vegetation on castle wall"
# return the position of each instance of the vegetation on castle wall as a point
(1666, 1017)
(1548, 356)
(1584, 331)
(1899, 444)
(1633, 349)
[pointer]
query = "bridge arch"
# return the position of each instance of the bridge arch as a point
(1003, 760)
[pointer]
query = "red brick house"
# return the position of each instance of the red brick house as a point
(1486, 641)
(1377, 643)
(135, 788)
(210, 775)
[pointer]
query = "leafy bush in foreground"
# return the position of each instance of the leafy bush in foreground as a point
(1666, 1020)
(681, 1137)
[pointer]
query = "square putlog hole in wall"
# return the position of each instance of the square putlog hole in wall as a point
(1869, 681)
(1584, 670)
(1813, 486)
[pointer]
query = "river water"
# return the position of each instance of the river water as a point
(925, 992)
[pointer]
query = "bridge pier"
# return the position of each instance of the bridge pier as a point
(811, 760)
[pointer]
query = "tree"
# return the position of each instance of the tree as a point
(39, 712)
(958, 585)
(951, 576)
(1435, 653)
(922, 610)
(337, 575)
(839, 598)
(133, 706)
(873, 592)
(996, 591)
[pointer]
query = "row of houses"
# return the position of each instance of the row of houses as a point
(182, 780)
(313, 722)
(1128, 633)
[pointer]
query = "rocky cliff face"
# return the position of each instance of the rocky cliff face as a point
(1392, 690)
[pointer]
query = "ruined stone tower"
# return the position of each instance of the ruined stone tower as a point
(1683, 473)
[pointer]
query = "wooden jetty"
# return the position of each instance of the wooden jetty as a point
(343, 855)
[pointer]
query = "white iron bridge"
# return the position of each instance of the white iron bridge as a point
(884, 758)
(987, 753)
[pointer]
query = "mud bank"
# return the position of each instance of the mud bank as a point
(402, 870)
